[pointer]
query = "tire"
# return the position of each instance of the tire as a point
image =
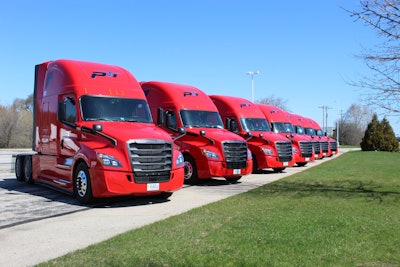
(28, 170)
(279, 169)
(164, 195)
(301, 164)
(19, 168)
(255, 165)
(82, 184)
(233, 180)
(190, 170)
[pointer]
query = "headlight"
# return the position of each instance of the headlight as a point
(267, 151)
(249, 155)
(180, 160)
(209, 154)
(107, 160)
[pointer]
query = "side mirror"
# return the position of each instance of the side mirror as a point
(97, 127)
(160, 116)
(61, 111)
(228, 124)
(181, 130)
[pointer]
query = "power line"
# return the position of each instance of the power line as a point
(325, 117)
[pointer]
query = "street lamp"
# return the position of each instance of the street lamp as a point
(252, 73)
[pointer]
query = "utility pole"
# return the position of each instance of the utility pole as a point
(325, 117)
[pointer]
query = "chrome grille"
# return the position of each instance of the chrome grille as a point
(284, 150)
(306, 149)
(151, 160)
(324, 146)
(235, 153)
(333, 145)
(316, 146)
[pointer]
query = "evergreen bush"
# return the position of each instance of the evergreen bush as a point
(379, 136)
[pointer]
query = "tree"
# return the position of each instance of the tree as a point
(274, 101)
(8, 117)
(24, 104)
(353, 124)
(390, 141)
(383, 85)
(16, 124)
(379, 136)
(373, 136)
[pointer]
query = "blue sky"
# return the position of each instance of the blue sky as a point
(305, 50)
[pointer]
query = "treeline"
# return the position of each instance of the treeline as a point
(16, 124)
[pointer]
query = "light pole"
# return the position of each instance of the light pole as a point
(252, 73)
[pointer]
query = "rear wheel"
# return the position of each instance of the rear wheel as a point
(190, 170)
(82, 184)
(28, 170)
(19, 168)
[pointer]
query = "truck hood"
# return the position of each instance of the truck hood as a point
(270, 136)
(215, 134)
(124, 131)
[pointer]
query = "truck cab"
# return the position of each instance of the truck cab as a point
(280, 122)
(94, 135)
(193, 121)
(241, 116)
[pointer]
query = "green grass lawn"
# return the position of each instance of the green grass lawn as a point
(345, 212)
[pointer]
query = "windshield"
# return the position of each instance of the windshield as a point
(282, 127)
(197, 118)
(310, 131)
(255, 124)
(97, 108)
(320, 132)
(300, 130)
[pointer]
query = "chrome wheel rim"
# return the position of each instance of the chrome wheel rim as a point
(188, 170)
(81, 183)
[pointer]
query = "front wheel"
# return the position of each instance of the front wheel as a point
(190, 170)
(82, 184)
(233, 180)
(164, 195)
(279, 169)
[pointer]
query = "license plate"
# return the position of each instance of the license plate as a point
(286, 164)
(236, 171)
(153, 187)
(307, 159)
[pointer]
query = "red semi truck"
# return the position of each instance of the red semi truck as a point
(309, 129)
(332, 144)
(301, 127)
(94, 136)
(279, 121)
(241, 116)
(209, 150)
